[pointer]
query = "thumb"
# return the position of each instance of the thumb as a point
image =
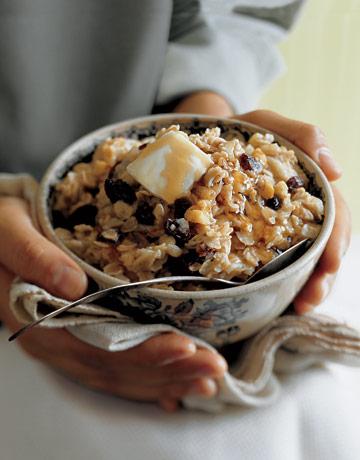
(304, 135)
(25, 252)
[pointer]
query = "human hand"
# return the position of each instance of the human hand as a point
(312, 141)
(162, 369)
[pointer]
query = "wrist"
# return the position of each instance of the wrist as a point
(205, 103)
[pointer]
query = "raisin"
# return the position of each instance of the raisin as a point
(293, 183)
(193, 257)
(249, 163)
(144, 214)
(313, 188)
(142, 146)
(84, 215)
(119, 190)
(246, 135)
(179, 229)
(177, 266)
(59, 220)
(180, 207)
(273, 203)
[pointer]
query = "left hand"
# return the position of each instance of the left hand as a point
(312, 141)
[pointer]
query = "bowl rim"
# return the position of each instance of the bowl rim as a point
(102, 133)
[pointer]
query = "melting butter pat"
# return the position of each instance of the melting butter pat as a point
(169, 166)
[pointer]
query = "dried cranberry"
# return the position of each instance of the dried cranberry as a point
(249, 163)
(294, 182)
(144, 214)
(179, 229)
(273, 203)
(119, 190)
(180, 207)
(84, 215)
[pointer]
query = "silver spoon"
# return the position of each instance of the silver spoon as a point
(276, 264)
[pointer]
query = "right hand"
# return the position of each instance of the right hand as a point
(162, 369)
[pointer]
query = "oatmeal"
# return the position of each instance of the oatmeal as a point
(180, 204)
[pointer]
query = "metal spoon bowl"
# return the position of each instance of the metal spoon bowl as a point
(278, 263)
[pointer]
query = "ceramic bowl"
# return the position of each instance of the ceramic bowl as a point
(219, 316)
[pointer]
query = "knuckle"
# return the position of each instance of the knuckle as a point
(33, 262)
(30, 252)
(306, 129)
(312, 132)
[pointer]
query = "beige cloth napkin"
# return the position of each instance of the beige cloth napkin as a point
(288, 344)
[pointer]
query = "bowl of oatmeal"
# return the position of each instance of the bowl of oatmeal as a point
(189, 195)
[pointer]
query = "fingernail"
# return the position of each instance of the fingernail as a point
(327, 161)
(222, 363)
(69, 282)
(207, 388)
(303, 307)
(185, 352)
(221, 367)
(306, 308)
(326, 288)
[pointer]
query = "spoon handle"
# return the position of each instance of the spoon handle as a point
(122, 287)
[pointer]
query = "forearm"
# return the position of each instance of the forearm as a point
(205, 103)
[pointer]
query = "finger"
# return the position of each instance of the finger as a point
(314, 292)
(169, 405)
(129, 365)
(304, 135)
(203, 363)
(321, 281)
(142, 391)
(206, 388)
(159, 351)
(27, 253)
(339, 240)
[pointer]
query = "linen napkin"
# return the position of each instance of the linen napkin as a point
(288, 344)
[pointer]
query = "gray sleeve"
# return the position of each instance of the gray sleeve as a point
(227, 47)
